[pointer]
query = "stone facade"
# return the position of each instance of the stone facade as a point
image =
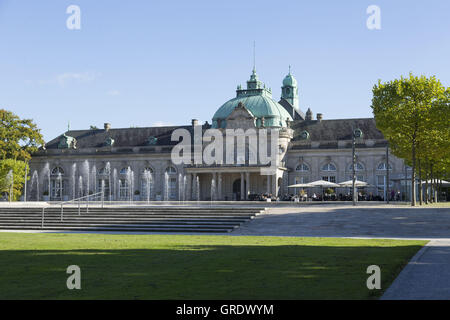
(136, 163)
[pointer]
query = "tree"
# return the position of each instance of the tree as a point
(12, 175)
(19, 138)
(412, 113)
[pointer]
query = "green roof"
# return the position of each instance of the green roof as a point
(289, 80)
(258, 100)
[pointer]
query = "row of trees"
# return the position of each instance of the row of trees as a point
(413, 114)
(19, 138)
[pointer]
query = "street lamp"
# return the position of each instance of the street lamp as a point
(356, 133)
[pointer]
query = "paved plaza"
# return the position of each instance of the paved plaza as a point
(373, 221)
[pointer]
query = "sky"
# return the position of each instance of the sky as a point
(153, 63)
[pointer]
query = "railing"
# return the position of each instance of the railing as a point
(102, 197)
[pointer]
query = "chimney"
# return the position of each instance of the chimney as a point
(194, 122)
(319, 117)
(107, 126)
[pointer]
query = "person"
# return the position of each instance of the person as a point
(314, 196)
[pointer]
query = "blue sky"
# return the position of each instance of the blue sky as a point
(145, 63)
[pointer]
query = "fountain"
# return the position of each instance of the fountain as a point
(166, 186)
(148, 180)
(108, 172)
(35, 179)
(74, 170)
(10, 183)
(80, 187)
(103, 189)
(213, 189)
(85, 174)
(94, 179)
(197, 188)
(180, 187)
(130, 180)
(46, 174)
(59, 187)
(184, 187)
(115, 184)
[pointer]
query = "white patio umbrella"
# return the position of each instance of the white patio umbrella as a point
(323, 184)
(300, 185)
(358, 183)
(443, 182)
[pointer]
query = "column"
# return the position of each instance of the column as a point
(247, 181)
(274, 185)
(219, 186)
(242, 186)
(268, 184)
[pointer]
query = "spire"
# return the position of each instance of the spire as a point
(254, 56)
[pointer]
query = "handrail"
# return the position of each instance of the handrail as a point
(78, 199)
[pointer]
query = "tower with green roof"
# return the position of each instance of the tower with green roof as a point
(289, 90)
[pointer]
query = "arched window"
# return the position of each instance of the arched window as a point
(302, 168)
(103, 171)
(171, 181)
(147, 169)
(171, 170)
(125, 170)
(57, 184)
(359, 167)
(57, 170)
(382, 166)
(329, 167)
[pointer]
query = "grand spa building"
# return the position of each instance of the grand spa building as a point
(135, 163)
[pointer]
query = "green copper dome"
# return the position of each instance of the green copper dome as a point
(289, 80)
(258, 100)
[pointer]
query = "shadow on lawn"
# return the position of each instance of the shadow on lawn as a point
(202, 272)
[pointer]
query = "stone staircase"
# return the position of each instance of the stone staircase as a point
(128, 219)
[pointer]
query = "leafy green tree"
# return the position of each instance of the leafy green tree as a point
(14, 180)
(411, 113)
(19, 138)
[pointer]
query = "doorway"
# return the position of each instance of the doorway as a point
(237, 189)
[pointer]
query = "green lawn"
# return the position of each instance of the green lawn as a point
(33, 266)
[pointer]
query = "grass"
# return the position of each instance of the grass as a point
(33, 266)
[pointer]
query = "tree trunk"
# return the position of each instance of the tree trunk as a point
(420, 184)
(426, 187)
(431, 185)
(413, 175)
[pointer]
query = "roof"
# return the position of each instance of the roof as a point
(334, 130)
(123, 137)
(260, 106)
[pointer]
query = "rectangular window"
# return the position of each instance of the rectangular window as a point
(57, 188)
(124, 193)
(106, 188)
(146, 188)
(329, 178)
(172, 188)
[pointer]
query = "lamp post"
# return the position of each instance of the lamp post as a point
(387, 173)
(354, 197)
(356, 133)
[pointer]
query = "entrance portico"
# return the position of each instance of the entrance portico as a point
(231, 182)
